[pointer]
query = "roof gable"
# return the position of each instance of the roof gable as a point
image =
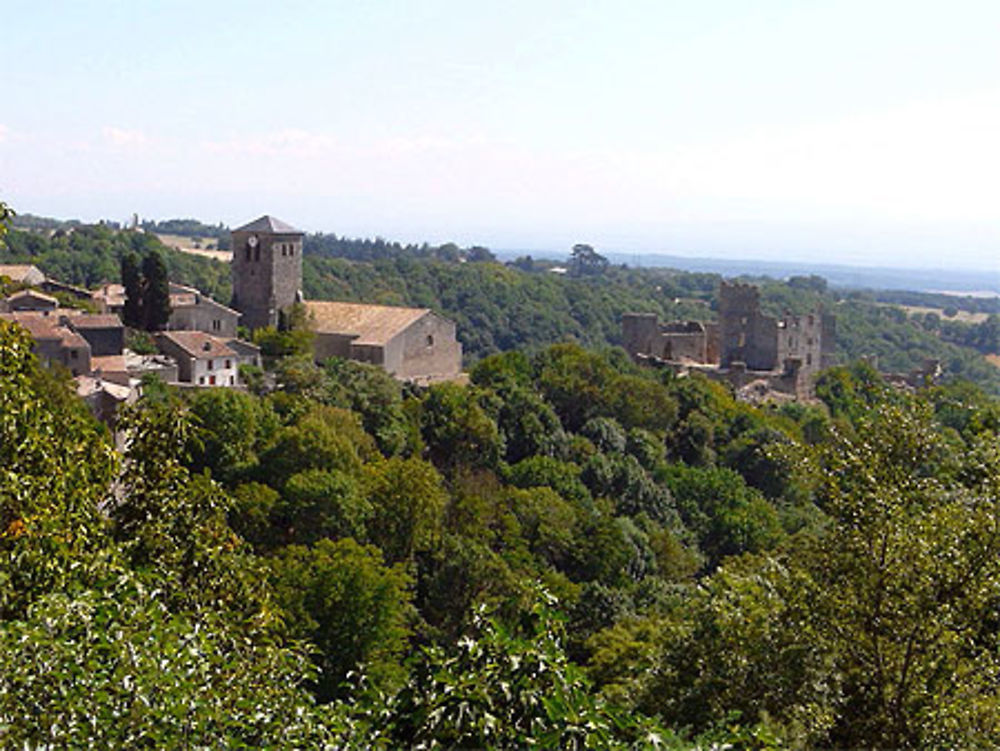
(197, 344)
(22, 272)
(31, 294)
(268, 223)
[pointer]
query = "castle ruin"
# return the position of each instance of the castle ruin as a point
(743, 347)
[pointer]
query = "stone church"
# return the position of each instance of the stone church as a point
(413, 344)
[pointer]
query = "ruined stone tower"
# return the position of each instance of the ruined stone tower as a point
(266, 270)
(746, 334)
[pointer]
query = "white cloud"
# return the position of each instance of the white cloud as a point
(124, 138)
(289, 142)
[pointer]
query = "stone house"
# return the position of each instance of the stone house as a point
(30, 300)
(22, 273)
(246, 353)
(202, 359)
(110, 298)
(54, 341)
(103, 331)
(412, 344)
(53, 287)
(190, 310)
(137, 366)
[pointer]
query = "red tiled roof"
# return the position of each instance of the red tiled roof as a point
(199, 344)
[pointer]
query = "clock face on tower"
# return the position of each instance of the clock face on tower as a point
(252, 241)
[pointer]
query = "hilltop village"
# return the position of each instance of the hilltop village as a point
(203, 343)
(199, 346)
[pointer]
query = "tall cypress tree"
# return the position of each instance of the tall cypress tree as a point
(132, 281)
(156, 292)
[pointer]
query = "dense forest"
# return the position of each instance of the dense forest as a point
(570, 551)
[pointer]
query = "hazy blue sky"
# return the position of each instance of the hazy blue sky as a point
(856, 131)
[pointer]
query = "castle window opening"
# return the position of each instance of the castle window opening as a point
(430, 340)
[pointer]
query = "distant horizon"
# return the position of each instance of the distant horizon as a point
(966, 281)
(556, 254)
(852, 132)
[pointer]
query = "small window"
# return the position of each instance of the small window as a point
(809, 358)
(430, 340)
(232, 381)
(216, 324)
(211, 380)
(209, 364)
(229, 364)
(72, 354)
(201, 380)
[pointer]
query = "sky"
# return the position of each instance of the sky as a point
(857, 132)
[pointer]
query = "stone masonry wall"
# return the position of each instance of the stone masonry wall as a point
(267, 278)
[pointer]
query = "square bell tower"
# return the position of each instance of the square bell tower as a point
(266, 270)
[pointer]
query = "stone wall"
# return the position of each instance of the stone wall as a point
(103, 341)
(800, 340)
(746, 335)
(746, 346)
(642, 334)
(204, 314)
(424, 350)
(428, 350)
(267, 278)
